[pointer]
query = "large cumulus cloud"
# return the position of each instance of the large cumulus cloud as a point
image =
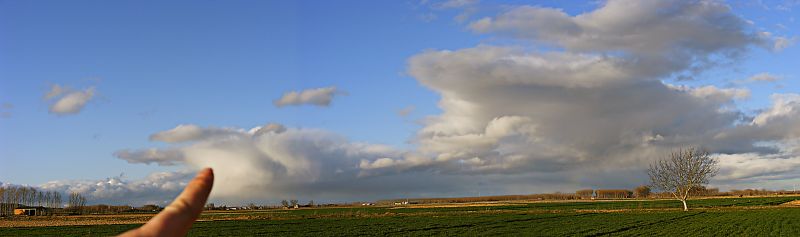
(597, 97)
(269, 161)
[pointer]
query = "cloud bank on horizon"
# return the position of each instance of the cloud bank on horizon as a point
(579, 101)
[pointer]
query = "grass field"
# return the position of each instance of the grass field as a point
(724, 216)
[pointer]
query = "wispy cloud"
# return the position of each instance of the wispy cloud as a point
(66, 101)
(317, 96)
(764, 77)
(781, 43)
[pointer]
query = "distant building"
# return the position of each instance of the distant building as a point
(30, 211)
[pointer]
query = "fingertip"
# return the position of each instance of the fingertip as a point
(206, 172)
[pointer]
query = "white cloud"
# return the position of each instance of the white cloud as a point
(316, 96)
(190, 132)
(665, 36)
(157, 188)
(722, 95)
(265, 162)
(147, 156)
(741, 168)
(639, 27)
(65, 101)
(784, 106)
(765, 77)
(781, 43)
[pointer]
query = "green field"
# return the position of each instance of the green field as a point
(725, 216)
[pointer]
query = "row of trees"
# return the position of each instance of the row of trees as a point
(645, 191)
(640, 192)
(614, 193)
(108, 209)
(76, 202)
(605, 193)
(12, 197)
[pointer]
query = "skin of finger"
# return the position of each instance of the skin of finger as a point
(177, 218)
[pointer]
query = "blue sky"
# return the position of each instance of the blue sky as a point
(158, 64)
(155, 65)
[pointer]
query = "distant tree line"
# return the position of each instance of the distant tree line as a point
(614, 193)
(285, 204)
(585, 193)
(12, 197)
(640, 192)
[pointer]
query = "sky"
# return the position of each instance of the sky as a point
(362, 100)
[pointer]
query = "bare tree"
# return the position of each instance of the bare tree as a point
(23, 196)
(72, 202)
(17, 197)
(57, 200)
(31, 196)
(642, 191)
(48, 202)
(294, 202)
(48, 199)
(682, 171)
(77, 202)
(2, 201)
(285, 203)
(81, 204)
(10, 199)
